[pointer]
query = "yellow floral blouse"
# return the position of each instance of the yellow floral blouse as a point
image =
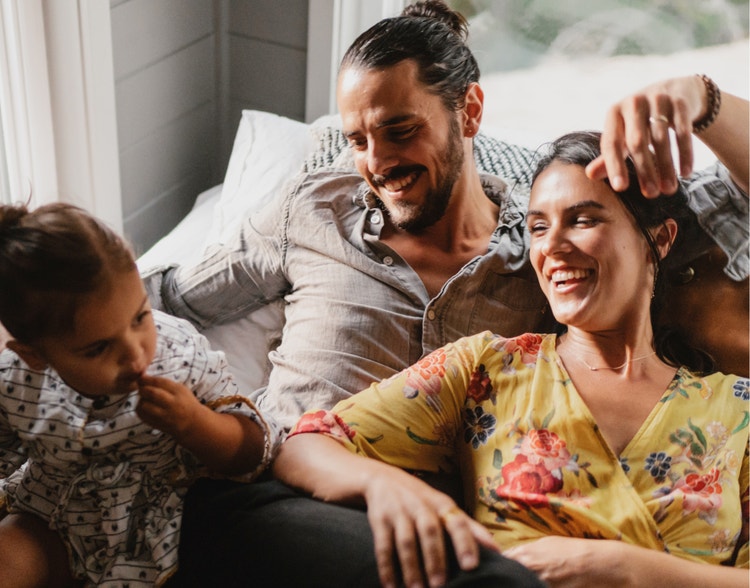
(505, 414)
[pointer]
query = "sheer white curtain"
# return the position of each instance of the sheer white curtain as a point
(57, 101)
(28, 139)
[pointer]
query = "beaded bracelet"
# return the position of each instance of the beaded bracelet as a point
(713, 98)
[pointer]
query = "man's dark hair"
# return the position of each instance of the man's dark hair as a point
(432, 35)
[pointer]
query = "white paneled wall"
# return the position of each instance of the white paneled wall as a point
(266, 61)
(184, 70)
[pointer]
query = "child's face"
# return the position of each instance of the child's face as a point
(112, 343)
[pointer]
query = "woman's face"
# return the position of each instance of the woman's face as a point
(591, 259)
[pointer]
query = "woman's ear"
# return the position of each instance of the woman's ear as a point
(27, 353)
(664, 236)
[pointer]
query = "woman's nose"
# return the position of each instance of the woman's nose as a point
(554, 241)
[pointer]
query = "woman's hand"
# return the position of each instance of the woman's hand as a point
(567, 562)
(409, 520)
(408, 517)
(639, 126)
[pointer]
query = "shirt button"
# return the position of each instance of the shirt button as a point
(388, 260)
(375, 218)
(431, 314)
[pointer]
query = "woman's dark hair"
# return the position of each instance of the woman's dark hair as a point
(581, 148)
(431, 34)
(50, 259)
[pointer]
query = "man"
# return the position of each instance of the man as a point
(378, 268)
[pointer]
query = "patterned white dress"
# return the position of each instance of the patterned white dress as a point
(110, 484)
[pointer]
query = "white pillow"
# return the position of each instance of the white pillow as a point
(268, 151)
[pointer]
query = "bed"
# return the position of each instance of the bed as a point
(269, 150)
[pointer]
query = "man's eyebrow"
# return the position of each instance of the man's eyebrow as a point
(395, 120)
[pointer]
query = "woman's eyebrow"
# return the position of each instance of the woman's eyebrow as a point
(574, 207)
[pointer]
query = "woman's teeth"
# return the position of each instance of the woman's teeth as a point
(562, 276)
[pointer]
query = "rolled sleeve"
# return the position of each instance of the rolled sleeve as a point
(721, 209)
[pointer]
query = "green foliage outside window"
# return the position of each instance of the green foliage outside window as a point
(510, 34)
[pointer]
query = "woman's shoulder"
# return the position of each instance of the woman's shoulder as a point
(492, 350)
(527, 344)
(716, 385)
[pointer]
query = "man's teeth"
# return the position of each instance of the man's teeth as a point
(399, 184)
(565, 275)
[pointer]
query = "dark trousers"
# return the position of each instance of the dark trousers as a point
(266, 534)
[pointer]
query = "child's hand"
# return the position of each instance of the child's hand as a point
(167, 405)
(227, 443)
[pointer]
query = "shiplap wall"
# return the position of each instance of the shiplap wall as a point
(184, 70)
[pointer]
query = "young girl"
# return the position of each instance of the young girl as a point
(113, 408)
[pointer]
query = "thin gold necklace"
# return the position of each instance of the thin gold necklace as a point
(606, 367)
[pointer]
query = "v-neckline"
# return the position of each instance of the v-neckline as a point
(645, 424)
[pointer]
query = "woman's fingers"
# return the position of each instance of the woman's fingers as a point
(417, 541)
(382, 534)
(461, 529)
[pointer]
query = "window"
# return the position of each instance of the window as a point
(27, 152)
(57, 105)
(549, 67)
(5, 196)
(334, 24)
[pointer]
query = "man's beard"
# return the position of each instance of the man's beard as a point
(417, 217)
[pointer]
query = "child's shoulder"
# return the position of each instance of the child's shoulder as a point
(171, 326)
(179, 341)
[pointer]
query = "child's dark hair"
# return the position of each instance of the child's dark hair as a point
(581, 148)
(50, 258)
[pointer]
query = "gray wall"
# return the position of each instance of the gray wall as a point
(184, 70)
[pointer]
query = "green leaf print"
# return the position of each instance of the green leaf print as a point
(698, 433)
(548, 418)
(743, 424)
(497, 459)
(421, 440)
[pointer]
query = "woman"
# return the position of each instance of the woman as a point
(613, 430)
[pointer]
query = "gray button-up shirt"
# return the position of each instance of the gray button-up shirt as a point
(355, 312)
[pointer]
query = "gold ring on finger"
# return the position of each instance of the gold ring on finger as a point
(446, 515)
(658, 118)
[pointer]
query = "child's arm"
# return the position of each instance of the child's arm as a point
(226, 443)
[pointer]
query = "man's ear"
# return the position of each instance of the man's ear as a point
(473, 109)
(27, 353)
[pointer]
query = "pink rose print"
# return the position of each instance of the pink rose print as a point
(545, 447)
(528, 344)
(480, 385)
(323, 421)
(426, 375)
(526, 482)
(701, 492)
